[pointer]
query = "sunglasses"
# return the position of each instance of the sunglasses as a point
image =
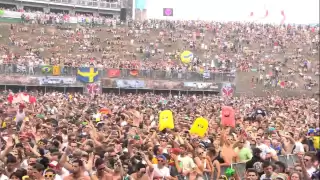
(49, 175)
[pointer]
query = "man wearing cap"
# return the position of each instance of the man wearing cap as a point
(157, 171)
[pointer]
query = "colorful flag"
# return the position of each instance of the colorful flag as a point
(206, 74)
(283, 17)
(21, 69)
(113, 73)
(46, 69)
(21, 97)
(88, 74)
(56, 71)
(93, 88)
(282, 84)
(227, 90)
(134, 72)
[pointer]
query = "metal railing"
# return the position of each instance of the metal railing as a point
(240, 168)
(13, 69)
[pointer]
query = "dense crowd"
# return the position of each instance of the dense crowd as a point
(109, 136)
(285, 53)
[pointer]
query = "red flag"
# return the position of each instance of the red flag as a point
(113, 73)
(104, 111)
(10, 98)
(283, 17)
(32, 99)
(251, 14)
(21, 97)
(134, 72)
(266, 15)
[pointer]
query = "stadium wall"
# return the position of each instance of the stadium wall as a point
(297, 11)
(47, 5)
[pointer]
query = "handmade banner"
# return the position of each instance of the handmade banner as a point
(57, 81)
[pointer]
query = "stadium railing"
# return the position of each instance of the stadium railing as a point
(14, 69)
(88, 3)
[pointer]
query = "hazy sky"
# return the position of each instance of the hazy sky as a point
(296, 11)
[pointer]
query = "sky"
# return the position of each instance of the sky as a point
(296, 11)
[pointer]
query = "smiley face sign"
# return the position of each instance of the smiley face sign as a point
(227, 116)
(165, 120)
(199, 127)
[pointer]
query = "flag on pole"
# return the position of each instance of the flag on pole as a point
(283, 17)
(206, 74)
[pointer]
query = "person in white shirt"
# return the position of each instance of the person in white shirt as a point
(188, 164)
(157, 171)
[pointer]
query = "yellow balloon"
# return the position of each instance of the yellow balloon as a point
(4, 125)
(199, 127)
(186, 57)
(165, 120)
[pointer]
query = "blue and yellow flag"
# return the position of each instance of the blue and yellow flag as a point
(88, 74)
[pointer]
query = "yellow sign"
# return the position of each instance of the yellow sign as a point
(56, 71)
(199, 127)
(166, 120)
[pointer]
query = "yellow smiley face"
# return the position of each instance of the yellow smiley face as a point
(199, 127)
(165, 120)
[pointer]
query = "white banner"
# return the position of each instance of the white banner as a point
(17, 15)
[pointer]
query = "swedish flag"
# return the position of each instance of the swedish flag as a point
(88, 74)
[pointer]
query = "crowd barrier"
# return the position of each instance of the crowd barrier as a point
(68, 19)
(204, 76)
(240, 168)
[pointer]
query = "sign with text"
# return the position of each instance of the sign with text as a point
(56, 81)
